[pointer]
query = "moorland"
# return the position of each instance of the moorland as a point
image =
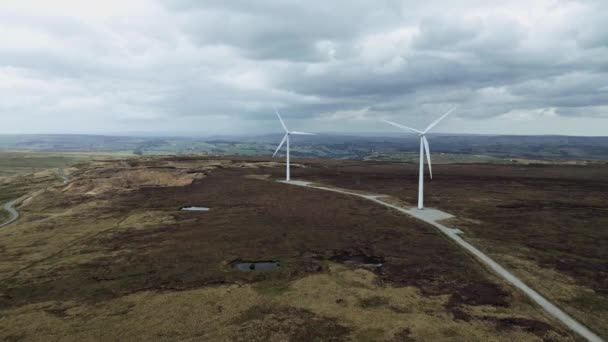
(110, 255)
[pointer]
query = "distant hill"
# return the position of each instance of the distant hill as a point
(324, 146)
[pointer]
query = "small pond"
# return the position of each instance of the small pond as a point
(192, 208)
(256, 266)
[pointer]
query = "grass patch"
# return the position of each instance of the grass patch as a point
(3, 215)
(272, 287)
(373, 302)
(276, 322)
(590, 301)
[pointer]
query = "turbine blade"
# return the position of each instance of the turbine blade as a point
(281, 144)
(440, 118)
(301, 133)
(403, 127)
(428, 154)
(280, 119)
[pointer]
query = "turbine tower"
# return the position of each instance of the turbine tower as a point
(424, 149)
(286, 139)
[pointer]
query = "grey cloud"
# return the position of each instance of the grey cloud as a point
(237, 59)
(443, 32)
(284, 30)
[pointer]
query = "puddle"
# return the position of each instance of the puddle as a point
(192, 208)
(359, 259)
(256, 266)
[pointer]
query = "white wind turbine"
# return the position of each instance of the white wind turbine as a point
(286, 138)
(424, 147)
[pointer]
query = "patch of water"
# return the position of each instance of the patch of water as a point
(256, 266)
(192, 208)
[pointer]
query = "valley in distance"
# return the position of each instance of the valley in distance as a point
(101, 248)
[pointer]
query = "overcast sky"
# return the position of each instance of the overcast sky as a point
(215, 66)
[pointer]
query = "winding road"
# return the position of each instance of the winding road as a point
(10, 205)
(433, 216)
(13, 213)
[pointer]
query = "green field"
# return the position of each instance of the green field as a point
(19, 162)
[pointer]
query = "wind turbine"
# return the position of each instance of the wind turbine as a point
(286, 139)
(424, 148)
